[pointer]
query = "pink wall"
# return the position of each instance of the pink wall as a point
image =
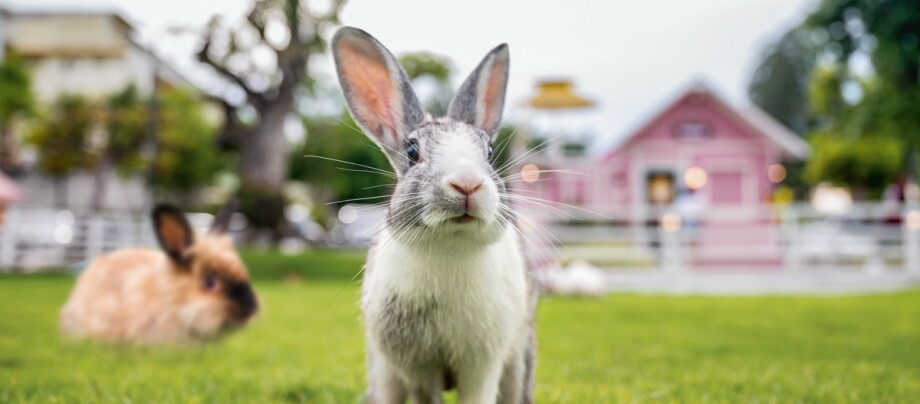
(695, 130)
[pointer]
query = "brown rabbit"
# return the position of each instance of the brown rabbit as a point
(194, 289)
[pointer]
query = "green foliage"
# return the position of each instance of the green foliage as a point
(420, 64)
(888, 30)
(15, 89)
(340, 138)
(186, 156)
(868, 163)
(307, 346)
(62, 136)
(126, 124)
(826, 104)
(780, 83)
(837, 33)
(425, 68)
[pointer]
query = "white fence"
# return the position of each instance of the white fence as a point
(33, 238)
(868, 237)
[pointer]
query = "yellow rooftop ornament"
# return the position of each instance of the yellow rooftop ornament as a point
(557, 94)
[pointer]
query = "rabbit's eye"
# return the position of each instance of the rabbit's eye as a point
(412, 151)
(491, 149)
(210, 282)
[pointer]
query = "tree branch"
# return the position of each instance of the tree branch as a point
(232, 130)
(205, 57)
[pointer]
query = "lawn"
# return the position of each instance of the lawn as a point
(307, 347)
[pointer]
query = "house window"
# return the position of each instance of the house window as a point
(660, 188)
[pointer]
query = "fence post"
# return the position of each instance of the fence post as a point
(94, 235)
(8, 235)
(670, 242)
(792, 229)
(911, 239)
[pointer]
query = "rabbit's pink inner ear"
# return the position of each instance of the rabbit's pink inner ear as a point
(368, 86)
(493, 97)
(174, 234)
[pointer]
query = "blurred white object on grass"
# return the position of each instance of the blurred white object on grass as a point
(578, 279)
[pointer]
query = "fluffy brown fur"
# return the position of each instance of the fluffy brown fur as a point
(147, 296)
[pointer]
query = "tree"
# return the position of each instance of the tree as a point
(62, 139)
(186, 156)
(15, 99)
(866, 164)
(780, 85)
(125, 124)
(290, 33)
(864, 76)
(827, 108)
(887, 32)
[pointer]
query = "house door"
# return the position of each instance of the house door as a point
(660, 187)
(727, 189)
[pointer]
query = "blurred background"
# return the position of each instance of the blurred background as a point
(712, 147)
(772, 136)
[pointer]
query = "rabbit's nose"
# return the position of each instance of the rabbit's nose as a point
(465, 186)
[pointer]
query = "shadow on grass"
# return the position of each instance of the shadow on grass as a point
(312, 394)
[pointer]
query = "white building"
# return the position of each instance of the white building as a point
(93, 53)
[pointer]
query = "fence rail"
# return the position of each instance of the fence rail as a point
(868, 237)
(33, 238)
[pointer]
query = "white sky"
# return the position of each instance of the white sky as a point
(631, 57)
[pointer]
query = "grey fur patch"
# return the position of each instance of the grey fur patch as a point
(464, 107)
(530, 364)
(406, 330)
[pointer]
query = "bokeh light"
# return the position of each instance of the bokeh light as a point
(348, 214)
(530, 173)
(695, 178)
(776, 173)
(831, 200)
(670, 222)
(912, 220)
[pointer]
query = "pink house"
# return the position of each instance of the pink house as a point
(712, 165)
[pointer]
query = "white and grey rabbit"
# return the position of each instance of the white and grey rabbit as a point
(447, 298)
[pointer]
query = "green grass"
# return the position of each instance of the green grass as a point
(307, 347)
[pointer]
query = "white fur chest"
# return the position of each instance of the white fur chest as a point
(444, 307)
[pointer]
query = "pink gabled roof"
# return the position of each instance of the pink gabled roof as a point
(9, 191)
(753, 118)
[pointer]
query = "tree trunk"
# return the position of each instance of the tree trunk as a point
(263, 159)
(7, 148)
(264, 169)
(99, 186)
(263, 153)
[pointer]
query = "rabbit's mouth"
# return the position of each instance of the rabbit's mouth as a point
(465, 218)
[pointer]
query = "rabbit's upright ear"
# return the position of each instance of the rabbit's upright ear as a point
(377, 91)
(222, 219)
(480, 99)
(173, 232)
